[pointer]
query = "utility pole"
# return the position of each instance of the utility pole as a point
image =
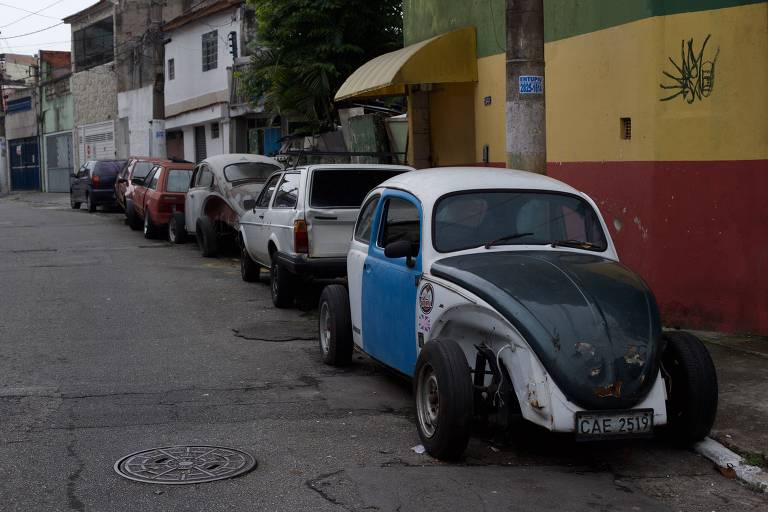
(526, 113)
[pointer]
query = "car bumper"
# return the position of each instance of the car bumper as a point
(321, 268)
(103, 196)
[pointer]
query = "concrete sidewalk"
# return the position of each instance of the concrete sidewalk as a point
(742, 372)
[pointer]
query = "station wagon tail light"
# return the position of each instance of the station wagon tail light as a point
(300, 237)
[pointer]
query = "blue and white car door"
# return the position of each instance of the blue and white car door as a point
(389, 289)
(358, 252)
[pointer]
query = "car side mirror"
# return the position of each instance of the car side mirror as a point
(401, 249)
(74, 176)
(249, 204)
(137, 181)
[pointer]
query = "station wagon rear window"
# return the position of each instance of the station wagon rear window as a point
(346, 188)
(141, 169)
(249, 171)
(510, 217)
(178, 180)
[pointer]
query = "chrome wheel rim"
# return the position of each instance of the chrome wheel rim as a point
(172, 231)
(146, 224)
(427, 400)
(325, 328)
(273, 273)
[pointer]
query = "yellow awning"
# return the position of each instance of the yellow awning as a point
(449, 57)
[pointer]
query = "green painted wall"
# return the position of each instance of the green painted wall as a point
(427, 18)
(58, 113)
(563, 18)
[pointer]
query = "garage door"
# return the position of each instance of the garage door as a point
(97, 141)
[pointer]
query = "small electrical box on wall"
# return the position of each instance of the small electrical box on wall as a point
(487, 100)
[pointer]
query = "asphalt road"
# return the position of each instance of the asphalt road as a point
(110, 344)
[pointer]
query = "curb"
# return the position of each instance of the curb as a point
(731, 462)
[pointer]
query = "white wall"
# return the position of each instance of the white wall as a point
(218, 146)
(136, 105)
(186, 48)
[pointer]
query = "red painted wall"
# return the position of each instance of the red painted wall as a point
(696, 231)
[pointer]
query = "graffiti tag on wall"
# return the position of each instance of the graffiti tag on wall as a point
(694, 77)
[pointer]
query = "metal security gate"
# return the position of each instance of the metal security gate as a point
(97, 141)
(25, 164)
(58, 161)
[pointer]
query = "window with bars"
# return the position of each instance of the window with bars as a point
(214, 130)
(171, 69)
(210, 50)
(626, 128)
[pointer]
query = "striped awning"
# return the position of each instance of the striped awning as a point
(449, 57)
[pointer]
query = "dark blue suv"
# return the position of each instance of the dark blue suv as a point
(94, 184)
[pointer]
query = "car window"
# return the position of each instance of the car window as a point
(157, 173)
(475, 218)
(178, 180)
(365, 220)
(267, 191)
(401, 222)
(141, 169)
(205, 177)
(287, 195)
(108, 168)
(250, 171)
(346, 188)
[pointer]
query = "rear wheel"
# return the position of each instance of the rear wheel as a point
(150, 229)
(282, 284)
(89, 204)
(207, 239)
(249, 269)
(443, 393)
(335, 326)
(691, 381)
(134, 222)
(177, 232)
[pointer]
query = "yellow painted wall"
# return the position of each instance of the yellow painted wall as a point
(595, 79)
(490, 120)
(452, 124)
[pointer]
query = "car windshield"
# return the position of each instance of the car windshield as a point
(508, 217)
(141, 169)
(178, 180)
(346, 188)
(108, 167)
(250, 171)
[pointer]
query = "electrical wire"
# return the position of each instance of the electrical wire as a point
(30, 13)
(30, 33)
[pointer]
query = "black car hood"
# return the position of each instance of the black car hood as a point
(592, 322)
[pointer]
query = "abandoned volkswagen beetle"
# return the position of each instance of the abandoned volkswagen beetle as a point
(501, 295)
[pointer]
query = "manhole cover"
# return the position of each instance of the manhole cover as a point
(185, 464)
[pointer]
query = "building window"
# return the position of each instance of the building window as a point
(171, 69)
(214, 130)
(94, 45)
(210, 50)
(626, 128)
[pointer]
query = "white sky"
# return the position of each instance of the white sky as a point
(51, 13)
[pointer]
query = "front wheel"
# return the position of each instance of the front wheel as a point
(149, 227)
(335, 326)
(75, 205)
(134, 222)
(249, 269)
(691, 381)
(444, 402)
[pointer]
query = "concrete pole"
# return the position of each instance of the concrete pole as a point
(526, 114)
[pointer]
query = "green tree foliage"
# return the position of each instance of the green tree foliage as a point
(305, 49)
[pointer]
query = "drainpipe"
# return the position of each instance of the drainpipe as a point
(526, 114)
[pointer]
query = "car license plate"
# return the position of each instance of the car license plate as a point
(614, 424)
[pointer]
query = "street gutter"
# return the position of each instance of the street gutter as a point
(732, 465)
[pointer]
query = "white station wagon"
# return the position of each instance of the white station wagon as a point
(300, 225)
(500, 294)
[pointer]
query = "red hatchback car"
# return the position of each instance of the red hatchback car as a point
(158, 201)
(136, 167)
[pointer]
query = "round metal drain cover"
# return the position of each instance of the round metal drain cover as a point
(185, 464)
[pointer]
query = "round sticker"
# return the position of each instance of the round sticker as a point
(426, 298)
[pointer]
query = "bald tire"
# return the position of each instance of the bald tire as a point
(692, 389)
(338, 349)
(455, 392)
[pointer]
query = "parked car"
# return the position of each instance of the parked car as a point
(301, 224)
(157, 204)
(220, 185)
(94, 184)
(135, 167)
(500, 293)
